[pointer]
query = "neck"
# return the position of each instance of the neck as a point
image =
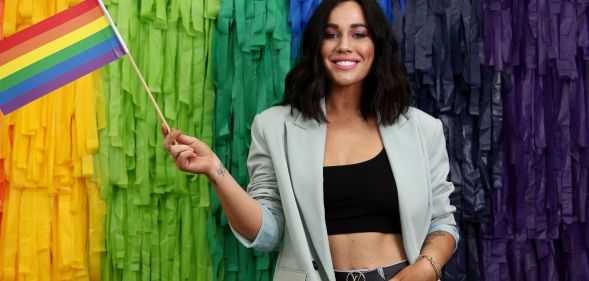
(344, 100)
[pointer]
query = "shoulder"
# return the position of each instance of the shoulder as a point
(429, 126)
(272, 119)
(274, 115)
(420, 116)
(276, 112)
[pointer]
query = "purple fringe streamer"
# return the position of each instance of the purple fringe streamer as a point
(537, 229)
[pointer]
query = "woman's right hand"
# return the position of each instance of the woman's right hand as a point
(190, 154)
(194, 156)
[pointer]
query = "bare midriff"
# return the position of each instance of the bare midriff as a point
(366, 250)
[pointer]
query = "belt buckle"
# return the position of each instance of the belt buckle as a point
(355, 276)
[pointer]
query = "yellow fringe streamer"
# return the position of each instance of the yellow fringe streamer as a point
(52, 214)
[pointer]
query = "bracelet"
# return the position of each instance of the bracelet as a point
(434, 264)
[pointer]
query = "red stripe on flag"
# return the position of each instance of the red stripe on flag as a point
(50, 35)
(47, 24)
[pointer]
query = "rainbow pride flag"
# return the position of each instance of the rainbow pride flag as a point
(56, 51)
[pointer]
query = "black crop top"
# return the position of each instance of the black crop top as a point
(361, 197)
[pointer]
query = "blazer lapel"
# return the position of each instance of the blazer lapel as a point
(403, 146)
(305, 141)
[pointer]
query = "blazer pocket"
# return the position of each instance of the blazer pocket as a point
(286, 274)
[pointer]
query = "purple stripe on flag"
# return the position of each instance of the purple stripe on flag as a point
(61, 80)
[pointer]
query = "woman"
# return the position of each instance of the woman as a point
(344, 173)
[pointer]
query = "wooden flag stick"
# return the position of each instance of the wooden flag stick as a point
(153, 102)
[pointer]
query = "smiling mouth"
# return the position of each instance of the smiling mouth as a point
(346, 63)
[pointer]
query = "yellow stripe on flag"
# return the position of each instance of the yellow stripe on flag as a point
(52, 47)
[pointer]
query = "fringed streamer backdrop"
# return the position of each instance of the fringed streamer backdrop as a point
(442, 48)
(52, 225)
(156, 224)
(3, 146)
(251, 59)
(300, 12)
(538, 58)
(515, 111)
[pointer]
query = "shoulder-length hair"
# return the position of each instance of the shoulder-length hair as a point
(386, 90)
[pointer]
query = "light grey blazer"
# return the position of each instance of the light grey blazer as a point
(286, 168)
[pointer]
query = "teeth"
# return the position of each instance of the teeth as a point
(346, 63)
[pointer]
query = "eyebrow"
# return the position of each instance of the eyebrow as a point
(354, 25)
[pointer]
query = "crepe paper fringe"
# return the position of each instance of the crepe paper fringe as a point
(251, 59)
(3, 132)
(1, 19)
(157, 219)
(52, 213)
(442, 45)
(300, 12)
(521, 202)
(539, 52)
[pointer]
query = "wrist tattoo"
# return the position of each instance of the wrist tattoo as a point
(221, 169)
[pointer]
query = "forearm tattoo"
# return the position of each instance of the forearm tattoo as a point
(221, 169)
(430, 237)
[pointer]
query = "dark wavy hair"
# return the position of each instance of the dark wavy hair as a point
(386, 90)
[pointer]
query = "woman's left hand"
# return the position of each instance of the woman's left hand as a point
(421, 270)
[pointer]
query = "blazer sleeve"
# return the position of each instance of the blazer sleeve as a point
(264, 189)
(442, 210)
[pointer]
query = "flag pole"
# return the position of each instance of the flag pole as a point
(149, 94)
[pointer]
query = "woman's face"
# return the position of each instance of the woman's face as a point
(347, 49)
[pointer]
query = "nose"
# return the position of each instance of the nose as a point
(343, 45)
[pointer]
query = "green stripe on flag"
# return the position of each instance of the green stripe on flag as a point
(56, 58)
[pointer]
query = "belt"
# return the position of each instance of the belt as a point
(377, 274)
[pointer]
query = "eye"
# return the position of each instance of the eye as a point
(330, 35)
(359, 35)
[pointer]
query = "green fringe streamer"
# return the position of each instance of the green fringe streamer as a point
(251, 59)
(157, 217)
